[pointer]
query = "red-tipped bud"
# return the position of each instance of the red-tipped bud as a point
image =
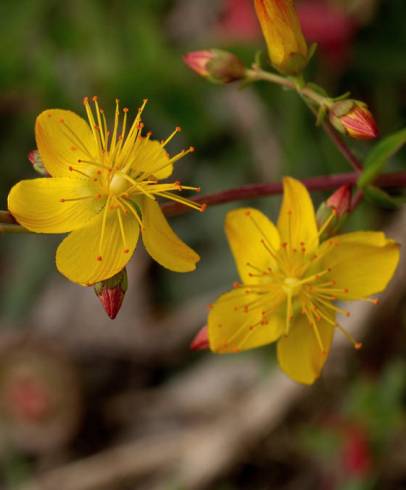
(201, 341)
(216, 65)
(333, 212)
(340, 201)
(35, 158)
(111, 293)
(352, 117)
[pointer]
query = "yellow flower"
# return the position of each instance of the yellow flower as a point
(103, 189)
(283, 35)
(291, 282)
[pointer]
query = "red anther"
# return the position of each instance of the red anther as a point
(347, 314)
(192, 149)
(86, 100)
(198, 189)
(145, 101)
(178, 129)
(210, 306)
(94, 98)
(358, 345)
(99, 258)
(236, 285)
(376, 301)
(125, 109)
(101, 110)
(203, 207)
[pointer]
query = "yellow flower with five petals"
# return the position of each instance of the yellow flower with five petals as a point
(290, 283)
(103, 189)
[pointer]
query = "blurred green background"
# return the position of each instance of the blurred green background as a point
(53, 54)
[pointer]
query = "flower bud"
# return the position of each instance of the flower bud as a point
(352, 117)
(111, 293)
(216, 65)
(201, 341)
(333, 212)
(280, 25)
(35, 158)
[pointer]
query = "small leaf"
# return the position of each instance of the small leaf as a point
(382, 198)
(379, 155)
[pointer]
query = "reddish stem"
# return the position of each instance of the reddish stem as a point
(252, 191)
(342, 147)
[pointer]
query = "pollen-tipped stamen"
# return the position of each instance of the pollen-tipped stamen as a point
(357, 345)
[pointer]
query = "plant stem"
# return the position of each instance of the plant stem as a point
(249, 191)
(309, 95)
(253, 191)
(342, 147)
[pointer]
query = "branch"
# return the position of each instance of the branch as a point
(252, 191)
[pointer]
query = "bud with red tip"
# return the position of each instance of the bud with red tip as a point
(333, 212)
(352, 117)
(201, 341)
(35, 158)
(216, 65)
(111, 293)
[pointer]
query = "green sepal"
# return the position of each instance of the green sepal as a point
(379, 156)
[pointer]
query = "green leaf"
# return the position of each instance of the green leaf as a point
(382, 198)
(379, 155)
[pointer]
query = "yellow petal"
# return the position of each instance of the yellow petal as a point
(78, 256)
(36, 204)
(362, 262)
(246, 230)
(152, 159)
(297, 220)
(63, 138)
(284, 38)
(162, 243)
(299, 354)
(231, 329)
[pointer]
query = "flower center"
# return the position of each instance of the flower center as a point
(118, 185)
(291, 285)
